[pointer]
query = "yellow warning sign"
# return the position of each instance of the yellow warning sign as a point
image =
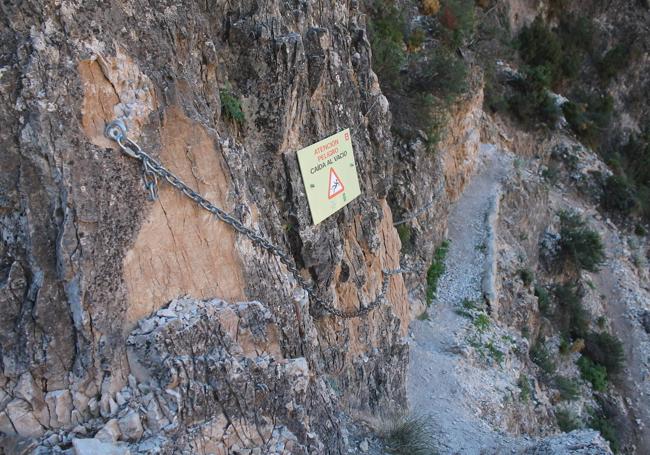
(330, 175)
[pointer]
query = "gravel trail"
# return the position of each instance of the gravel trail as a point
(442, 384)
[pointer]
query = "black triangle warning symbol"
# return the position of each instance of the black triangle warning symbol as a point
(335, 185)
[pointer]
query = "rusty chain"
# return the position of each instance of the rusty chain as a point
(152, 169)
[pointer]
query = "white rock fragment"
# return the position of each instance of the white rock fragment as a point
(60, 404)
(97, 447)
(131, 426)
(110, 432)
(364, 446)
(22, 418)
(167, 313)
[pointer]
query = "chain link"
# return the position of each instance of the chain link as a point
(152, 169)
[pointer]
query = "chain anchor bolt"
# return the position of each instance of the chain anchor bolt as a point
(115, 130)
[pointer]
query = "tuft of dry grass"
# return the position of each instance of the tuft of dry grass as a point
(408, 435)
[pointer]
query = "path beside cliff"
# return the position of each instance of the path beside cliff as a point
(442, 383)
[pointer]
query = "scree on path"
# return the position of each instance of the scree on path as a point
(442, 384)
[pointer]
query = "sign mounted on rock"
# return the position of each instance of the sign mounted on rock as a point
(330, 175)
(152, 169)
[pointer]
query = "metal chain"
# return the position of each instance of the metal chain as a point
(152, 169)
(415, 214)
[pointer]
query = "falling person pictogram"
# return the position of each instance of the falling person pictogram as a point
(335, 186)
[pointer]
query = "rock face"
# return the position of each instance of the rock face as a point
(427, 182)
(85, 258)
(582, 442)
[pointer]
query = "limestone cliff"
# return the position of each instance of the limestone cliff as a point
(87, 260)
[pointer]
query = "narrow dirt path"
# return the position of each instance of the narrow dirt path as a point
(441, 383)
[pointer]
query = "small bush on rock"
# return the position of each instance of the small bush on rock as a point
(526, 276)
(607, 350)
(540, 355)
(231, 106)
(589, 115)
(531, 101)
(580, 246)
(567, 421)
(618, 195)
(386, 31)
(543, 300)
(440, 72)
(567, 387)
(570, 316)
(613, 61)
(405, 233)
(539, 46)
(604, 422)
(524, 386)
(593, 373)
(436, 270)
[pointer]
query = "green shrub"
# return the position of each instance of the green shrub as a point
(526, 390)
(577, 37)
(231, 106)
(482, 322)
(539, 46)
(436, 270)
(636, 158)
(580, 246)
(613, 61)
(386, 31)
(415, 39)
(467, 309)
(405, 233)
(565, 346)
(577, 31)
(561, 51)
(567, 387)
(608, 432)
(531, 101)
(618, 195)
(607, 350)
(589, 116)
(543, 300)
(496, 354)
(643, 193)
(409, 435)
(632, 163)
(570, 316)
(540, 355)
(494, 98)
(526, 276)
(440, 72)
(567, 421)
(593, 373)
(604, 421)
(640, 230)
(551, 174)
